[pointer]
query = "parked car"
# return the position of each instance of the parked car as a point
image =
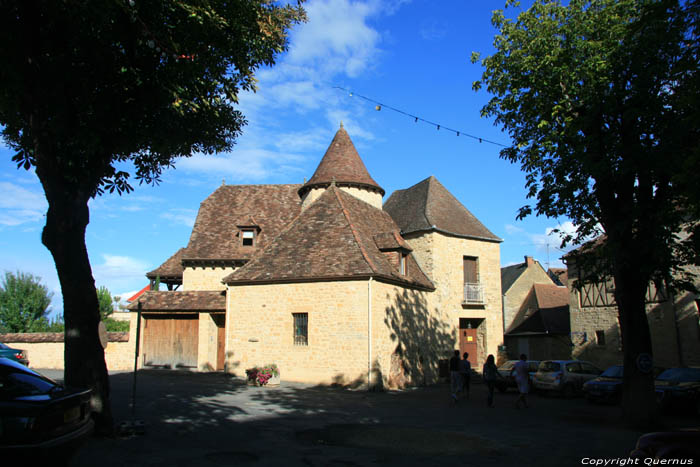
(668, 445)
(14, 354)
(39, 416)
(508, 377)
(608, 386)
(564, 376)
(679, 388)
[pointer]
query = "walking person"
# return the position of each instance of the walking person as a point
(465, 372)
(455, 380)
(521, 372)
(490, 373)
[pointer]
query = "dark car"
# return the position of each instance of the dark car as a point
(14, 354)
(608, 386)
(668, 445)
(508, 377)
(39, 416)
(679, 388)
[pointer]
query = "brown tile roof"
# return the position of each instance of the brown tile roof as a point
(171, 269)
(551, 296)
(341, 163)
(43, 337)
(428, 205)
(560, 276)
(215, 235)
(181, 301)
(332, 239)
(391, 241)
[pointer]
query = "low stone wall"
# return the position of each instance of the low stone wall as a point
(45, 349)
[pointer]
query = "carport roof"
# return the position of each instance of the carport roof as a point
(181, 301)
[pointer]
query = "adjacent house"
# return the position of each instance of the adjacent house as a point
(326, 282)
(516, 284)
(674, 322)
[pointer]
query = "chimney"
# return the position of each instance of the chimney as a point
(529, 261)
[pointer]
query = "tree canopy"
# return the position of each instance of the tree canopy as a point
(91, 94)
(24, 303)
(600, 99)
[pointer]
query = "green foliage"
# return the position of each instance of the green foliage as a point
(600, 98)
(83, 89)
(24, 303)
(104, 298)
(114, 325)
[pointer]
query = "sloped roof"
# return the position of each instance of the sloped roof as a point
(181, 301)
(551, 315)
(139, 293)
(332, 239)
(171, 268)
(341, 164)
(560, 276)
(510, 274)
(428, 205)
(215, 232)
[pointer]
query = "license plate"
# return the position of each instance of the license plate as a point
(71, 414)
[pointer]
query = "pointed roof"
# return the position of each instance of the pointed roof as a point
(428, 206)
(341, 164)
(333, 239)
(551, 314)
(193, 300)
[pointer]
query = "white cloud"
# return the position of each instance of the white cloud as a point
(18, 205)
(119, 272)
(241, 164)
(184, 217)
(512, 229)
(433, 29)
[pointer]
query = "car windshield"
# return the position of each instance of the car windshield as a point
(549, 366)
(507, 365)
(680, 374)
(613, 372)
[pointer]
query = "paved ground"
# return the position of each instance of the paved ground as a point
(197, 419)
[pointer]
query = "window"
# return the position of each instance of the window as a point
(301, 328)
(600, 337)
(248, 237)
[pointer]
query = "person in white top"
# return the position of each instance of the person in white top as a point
(521, 373)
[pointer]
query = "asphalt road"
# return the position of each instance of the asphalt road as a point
(193, 419)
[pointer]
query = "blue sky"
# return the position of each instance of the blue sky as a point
(410, 54)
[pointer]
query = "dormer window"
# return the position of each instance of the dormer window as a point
(248, 237)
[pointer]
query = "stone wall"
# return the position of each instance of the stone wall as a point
(45, 350)
(370, 197)
(205, 277)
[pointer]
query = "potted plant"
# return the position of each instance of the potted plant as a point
(268, 375)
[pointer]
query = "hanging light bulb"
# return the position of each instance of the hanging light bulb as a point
(350, 93)
(438, 127)
(378, 108)
(458, 133)
(416, 119)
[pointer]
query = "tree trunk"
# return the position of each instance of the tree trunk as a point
(638, 397)
(64, 236)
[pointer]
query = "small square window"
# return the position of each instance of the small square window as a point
(248, 237)
(301, 328)
(600, 337)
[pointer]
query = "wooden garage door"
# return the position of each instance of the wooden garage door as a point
(170, 341)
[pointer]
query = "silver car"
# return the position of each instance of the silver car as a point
(564, 376)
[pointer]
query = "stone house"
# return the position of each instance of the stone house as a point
(327, 283)
(674, 322)
(516, 284)
(541, 328)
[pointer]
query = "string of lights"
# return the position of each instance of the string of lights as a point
(379, 106)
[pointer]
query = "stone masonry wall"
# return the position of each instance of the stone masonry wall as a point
(259, 330)
(369, 197)
(205, 277)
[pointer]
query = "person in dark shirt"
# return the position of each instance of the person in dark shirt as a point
(465, 370)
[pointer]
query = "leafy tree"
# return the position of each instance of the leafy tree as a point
(104, 298)
(600, 100)
(24, 303)
(89, 93)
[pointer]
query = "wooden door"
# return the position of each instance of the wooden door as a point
(220, 321)
(471, 271)
(170, 341)
(467, 343)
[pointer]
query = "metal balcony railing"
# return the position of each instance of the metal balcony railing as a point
(473, 292)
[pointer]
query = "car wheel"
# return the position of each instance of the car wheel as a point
(568, 392)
